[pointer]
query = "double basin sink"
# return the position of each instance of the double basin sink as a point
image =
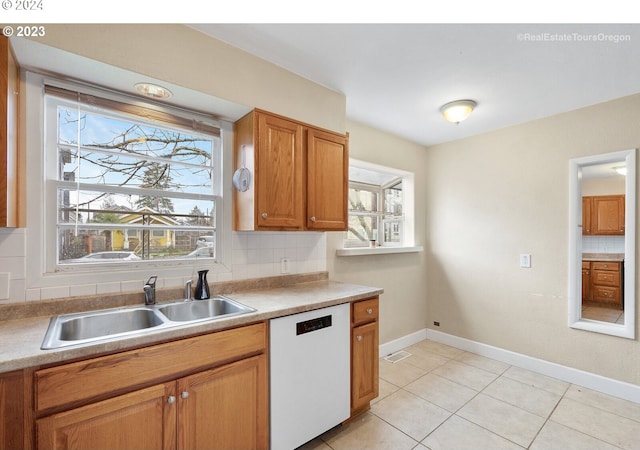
(112, 324)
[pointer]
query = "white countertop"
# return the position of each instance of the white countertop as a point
(20, 339)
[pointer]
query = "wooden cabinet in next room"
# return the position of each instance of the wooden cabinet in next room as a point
(603, 215)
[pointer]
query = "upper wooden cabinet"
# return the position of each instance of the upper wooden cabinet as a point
(9, 85)
(299, 175)
(603, 215)
(327, 181)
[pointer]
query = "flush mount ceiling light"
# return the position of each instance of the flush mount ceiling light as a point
(153, 90)
(457, 111)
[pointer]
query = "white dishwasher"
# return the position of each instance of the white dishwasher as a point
(310, 374)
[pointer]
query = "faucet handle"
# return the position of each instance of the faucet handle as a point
(151, 281)
(150, 291)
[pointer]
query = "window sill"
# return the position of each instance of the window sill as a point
(360, 251)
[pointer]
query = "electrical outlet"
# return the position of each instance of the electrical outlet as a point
(284, 265)
(525, 260)
(437, 324)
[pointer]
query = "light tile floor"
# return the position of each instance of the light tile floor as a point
(442, 398)
(603, 314)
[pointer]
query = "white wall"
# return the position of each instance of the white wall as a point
(494, 196)
(403, 306)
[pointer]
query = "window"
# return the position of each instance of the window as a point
(127, 182)
(380, 206)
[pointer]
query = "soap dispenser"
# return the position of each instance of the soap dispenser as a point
(202, 287)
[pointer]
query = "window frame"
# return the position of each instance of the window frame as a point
(407, 217)
(56, 98)
(41, 242)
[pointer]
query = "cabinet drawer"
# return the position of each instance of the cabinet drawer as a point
(586, 264)
(97, 378)
(606, 294)
(606, 278)
(365, 311)
(601, 265)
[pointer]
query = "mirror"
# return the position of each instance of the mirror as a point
(602, 243)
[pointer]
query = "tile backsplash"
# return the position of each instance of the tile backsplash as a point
(254, 255)
(602, 244)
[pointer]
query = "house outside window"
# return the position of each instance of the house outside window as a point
(379, 211)
(123, 183)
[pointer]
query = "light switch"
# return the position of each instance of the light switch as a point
(4, 285)
(525, 260)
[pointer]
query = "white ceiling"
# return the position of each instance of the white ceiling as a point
(396, 76)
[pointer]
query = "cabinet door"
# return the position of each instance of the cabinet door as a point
(279, 173)
(327, 181)
(607, 215)
(586, 215)
(144, 419)
(364, 360)
(12, 412)
(225, 408)
(586, 285)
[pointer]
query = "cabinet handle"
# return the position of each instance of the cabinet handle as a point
(369, 311)
(185, 394)
(171, 400)
(358, 338)
(264, 215)
(313, 218)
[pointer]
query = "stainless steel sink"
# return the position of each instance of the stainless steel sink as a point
(203, 309)
(112, 324)
(106, 324)
(73, 329)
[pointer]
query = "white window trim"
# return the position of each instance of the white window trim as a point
(408, 207)
(38, 238)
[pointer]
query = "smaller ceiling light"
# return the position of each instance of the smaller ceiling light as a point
(457, 111)
(153, 90)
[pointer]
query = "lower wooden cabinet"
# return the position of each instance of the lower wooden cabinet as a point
(586, 280)
(143, 419)
(13, 432)
(364, 354)
(602, 282)
(222, 406)
(606, 282)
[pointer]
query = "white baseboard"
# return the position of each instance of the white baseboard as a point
(620, 389)
(400, 343)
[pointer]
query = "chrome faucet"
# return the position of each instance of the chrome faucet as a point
(187, 291)
(150, 291)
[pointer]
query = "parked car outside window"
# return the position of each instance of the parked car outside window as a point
(105, 257)
(206, 241)
(202, 252)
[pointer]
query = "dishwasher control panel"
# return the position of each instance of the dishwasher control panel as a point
(308, 326)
